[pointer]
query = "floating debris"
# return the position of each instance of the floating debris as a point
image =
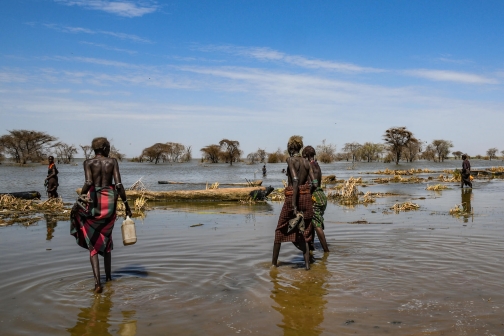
(138, 185)
(213, 186)
(401, 172)
(196, 225)
(406, 206)
(437, 187)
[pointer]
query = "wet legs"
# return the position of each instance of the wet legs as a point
(95, 265)
(108, 266)
(304, 247)
(321, 237)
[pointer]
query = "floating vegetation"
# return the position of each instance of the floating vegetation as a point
(406, 206)
(348, 193)
(15, 210)
(436, 187)
(460, 210)
(499, 169)
(399, 179)
(277, 195)
(213, 186)
(455, 177)
(401, 172)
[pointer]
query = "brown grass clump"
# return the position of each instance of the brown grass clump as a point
(213, 186)
(277, 195)
(436, 187)
(20, 211)
(406, 206)
(348, 193)
(401, 172)
(496, 169)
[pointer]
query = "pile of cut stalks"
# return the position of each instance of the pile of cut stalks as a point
(406, 206)
(27, 212)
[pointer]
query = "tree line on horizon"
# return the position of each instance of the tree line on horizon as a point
(22, 146)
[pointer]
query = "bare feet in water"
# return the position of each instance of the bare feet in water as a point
(98, 289)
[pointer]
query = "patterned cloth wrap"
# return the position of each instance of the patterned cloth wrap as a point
(92, 228)
(304, 204)
(319, 205)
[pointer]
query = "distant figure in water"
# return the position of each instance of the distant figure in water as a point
(52, 179)
(264, 170)
(318, 196)
(298, 201)
(92, 223)
(466, 172)
(283, 171)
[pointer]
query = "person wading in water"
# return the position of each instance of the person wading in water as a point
(466, 172)
(298, 200)
(92, 224)
(318, 196)
(52, 179)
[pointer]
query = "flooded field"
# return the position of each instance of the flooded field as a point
(420, 272)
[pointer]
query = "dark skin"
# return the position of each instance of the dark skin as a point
(100, 171)
(53, 173)
(298, 173)
(317, 172)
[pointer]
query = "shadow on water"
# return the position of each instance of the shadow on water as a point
(130, 271)
(299, 297)
(95, 320)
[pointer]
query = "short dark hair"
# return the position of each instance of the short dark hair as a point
(99, 143)
(464, 157)
(309, 151)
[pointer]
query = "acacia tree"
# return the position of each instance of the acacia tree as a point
(326, 153)
(457, 154)
(65, 152)
(230, 150)
(211, 153)
(25, 145)
(491, 153)
(369, 151)
(412, 150)
(397, 138)
(88, 151)
(442, 148)
(155, 152)
(352, 148)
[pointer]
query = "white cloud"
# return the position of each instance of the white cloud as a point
(106, 47)
(267, 54)
(450, 76)
(77, 30)
(121, 8)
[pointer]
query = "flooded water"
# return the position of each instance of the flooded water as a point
(421, 272)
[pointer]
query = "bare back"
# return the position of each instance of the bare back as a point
(298, 167)
(101, 170)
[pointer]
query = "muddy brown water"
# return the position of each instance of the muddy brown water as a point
(414, 273)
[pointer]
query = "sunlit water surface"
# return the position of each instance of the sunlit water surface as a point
(415, 273)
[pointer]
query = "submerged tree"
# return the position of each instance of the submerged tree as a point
(326, 153)
(65, 152)
(397, 138)
(277, 157)
(442, 148)
(353, 149)
(412, 150)
(230, 150)
(211, 153)
(26, 145)
(457, 154)
(491, 153)
(370, 151)
(88, 151)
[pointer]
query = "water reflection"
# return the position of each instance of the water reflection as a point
(299, 297)
(95, 320)
(51, 223)
(467, 196)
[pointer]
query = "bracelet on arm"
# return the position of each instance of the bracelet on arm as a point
(118, 185)
(89, 182)
(124, 202)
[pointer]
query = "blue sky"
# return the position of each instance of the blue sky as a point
(195, 72)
